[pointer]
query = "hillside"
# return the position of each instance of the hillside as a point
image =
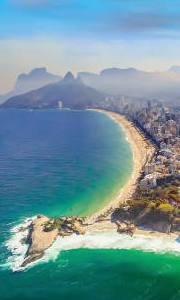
(69, 92)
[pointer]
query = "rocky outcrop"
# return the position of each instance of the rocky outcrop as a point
(125, 227)
(44, 231)
(38, 239)
(154, 216)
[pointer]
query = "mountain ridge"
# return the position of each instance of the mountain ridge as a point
(26, 82)
(70, 92)
(129, 82)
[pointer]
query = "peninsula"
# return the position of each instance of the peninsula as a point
(130, 212)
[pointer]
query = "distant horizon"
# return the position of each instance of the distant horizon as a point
(75, 73)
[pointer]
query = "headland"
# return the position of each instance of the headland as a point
(120, 214)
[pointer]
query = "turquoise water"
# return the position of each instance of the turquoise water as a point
(98, 274)
(65, 162)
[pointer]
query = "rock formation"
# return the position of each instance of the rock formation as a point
(44, 231)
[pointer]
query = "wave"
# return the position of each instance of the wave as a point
(91, 240)
(113, 240)
(16, 244)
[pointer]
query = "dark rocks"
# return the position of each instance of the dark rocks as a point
(126, 228)
(31, 259)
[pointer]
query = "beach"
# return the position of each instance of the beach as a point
(36, 178)
(142, 151)
(98, 227)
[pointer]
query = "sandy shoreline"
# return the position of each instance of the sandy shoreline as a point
(99, 222)
(142, 150)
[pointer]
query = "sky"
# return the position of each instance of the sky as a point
(87, 35)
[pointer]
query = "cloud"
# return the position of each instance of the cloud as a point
(144, 23)
(105, 18)
(143, 16)
(150, 21)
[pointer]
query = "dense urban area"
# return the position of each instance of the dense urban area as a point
(159, 185)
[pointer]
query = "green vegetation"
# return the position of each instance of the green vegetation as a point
(52, 224)
(166, 208)
(167, 192)
(63, 224)
(157, 209)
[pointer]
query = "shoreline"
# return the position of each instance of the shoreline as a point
(40, 238)
(142, 151)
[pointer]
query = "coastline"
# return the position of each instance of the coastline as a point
(39, 238)
(142, 151)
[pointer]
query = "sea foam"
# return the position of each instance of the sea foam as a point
(91, 240)
(16, 245)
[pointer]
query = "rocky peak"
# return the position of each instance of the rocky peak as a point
(69, 77)
(36, 78)
(38, 71)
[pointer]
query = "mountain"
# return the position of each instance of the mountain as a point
(69, 92)
(115, 80)
(129, 82)
(121, 72)
(136, 83)
(33, 80)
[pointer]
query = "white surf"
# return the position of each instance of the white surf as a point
(93, 240)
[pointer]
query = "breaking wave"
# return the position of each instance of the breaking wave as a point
(91, 240)
(16, 244)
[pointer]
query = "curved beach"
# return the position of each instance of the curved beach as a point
(97, 230)
(142, 150)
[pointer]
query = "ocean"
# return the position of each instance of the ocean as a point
(72, 163)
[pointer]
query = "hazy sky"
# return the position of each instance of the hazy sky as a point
(87, 35)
